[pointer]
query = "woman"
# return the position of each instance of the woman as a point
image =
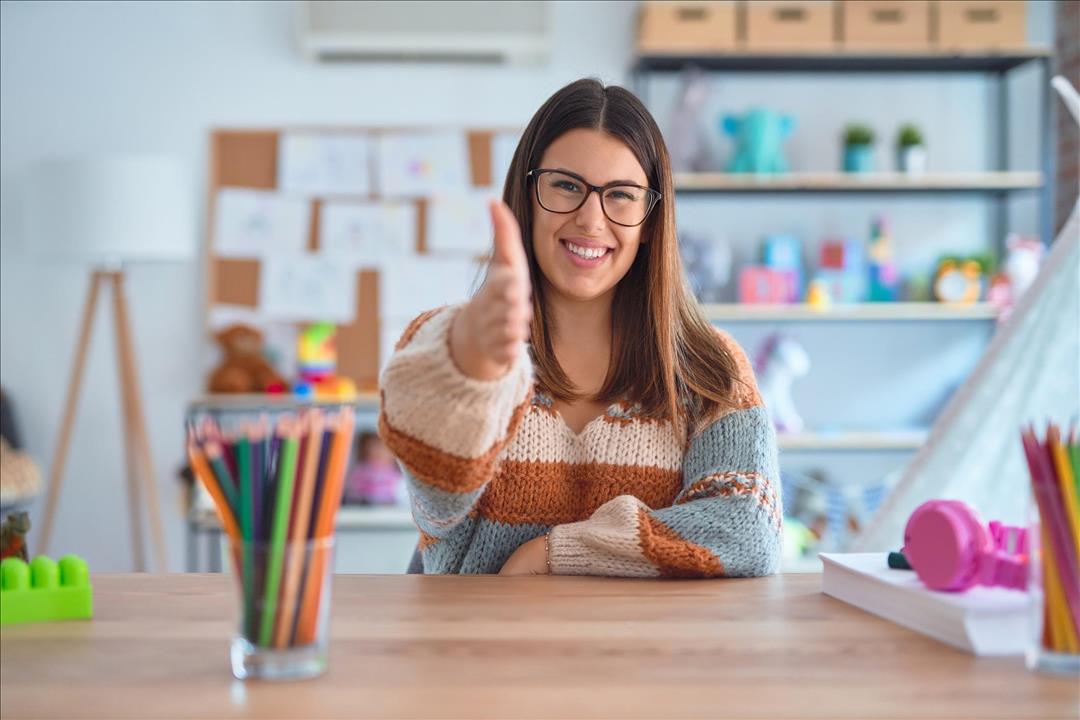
(579, 416)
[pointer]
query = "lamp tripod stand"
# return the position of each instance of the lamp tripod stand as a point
(138, 463)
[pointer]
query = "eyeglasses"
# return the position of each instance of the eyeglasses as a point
(559, 191)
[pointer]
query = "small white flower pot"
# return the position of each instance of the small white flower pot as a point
(912, 159)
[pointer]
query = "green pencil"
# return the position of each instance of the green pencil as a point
(247, 550)
(278, 531)
(214, 451)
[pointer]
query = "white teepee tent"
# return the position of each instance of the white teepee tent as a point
(1030, 373)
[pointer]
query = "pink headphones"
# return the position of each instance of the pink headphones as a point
(950, 548)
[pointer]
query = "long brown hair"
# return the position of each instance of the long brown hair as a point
(665, 355)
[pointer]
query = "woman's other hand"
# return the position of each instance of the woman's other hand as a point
(529, 559)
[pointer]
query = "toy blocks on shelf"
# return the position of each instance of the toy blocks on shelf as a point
(44, 589)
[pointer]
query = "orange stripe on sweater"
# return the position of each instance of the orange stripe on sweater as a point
(672, 555)
(413, 326)
(441, 469)
(552, 493)
(725, 484)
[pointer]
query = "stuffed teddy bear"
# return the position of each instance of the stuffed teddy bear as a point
(243, 368)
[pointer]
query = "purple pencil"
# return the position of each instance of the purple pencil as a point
(1046, 497)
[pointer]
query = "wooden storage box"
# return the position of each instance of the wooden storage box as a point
(687, 27)
(790, 25)
(981, 24)
(885, 24)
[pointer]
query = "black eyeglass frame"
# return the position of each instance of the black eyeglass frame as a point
(654, 195)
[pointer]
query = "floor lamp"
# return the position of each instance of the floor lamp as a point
(109, 214)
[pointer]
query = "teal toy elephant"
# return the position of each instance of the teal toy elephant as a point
(759, 137)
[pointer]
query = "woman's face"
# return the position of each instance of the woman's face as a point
(560, 240)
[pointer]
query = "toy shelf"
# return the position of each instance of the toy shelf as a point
(878, 182)
(831, 61)
(284, 401)
(350, 517)
(863, 440)
(909, 311)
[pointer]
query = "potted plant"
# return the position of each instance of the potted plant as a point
(910, 151)
(858, 148)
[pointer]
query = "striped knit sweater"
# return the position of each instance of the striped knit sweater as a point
(490, 465)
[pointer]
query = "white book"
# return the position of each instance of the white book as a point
(981, 620)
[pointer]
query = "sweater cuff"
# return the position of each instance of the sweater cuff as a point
(606, 544)
(427, 397)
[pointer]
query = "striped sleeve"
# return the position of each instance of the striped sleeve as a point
(726, 520)
(448, 430)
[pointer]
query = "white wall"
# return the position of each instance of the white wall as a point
(88, 77)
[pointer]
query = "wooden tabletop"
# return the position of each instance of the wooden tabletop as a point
(407, 646)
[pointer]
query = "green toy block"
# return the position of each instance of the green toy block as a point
(45, 590)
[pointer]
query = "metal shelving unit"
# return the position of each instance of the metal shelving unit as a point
(989, 183)
(863, 440)
(999, 183)
(858, 312)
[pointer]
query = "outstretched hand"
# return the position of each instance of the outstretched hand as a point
(488, 332)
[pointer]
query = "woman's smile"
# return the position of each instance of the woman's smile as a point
(585, 253)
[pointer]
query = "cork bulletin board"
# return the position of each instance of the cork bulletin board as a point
(249, 159)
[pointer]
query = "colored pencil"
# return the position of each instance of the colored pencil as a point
(299, 530)
(202, 470)
(1069, 502)
(282, 500)
(214, 455)
(247, 570)
(1046, 497)
(329, 502)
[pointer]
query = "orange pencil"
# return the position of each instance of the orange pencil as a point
(202, 470)
(333, 481)
(295, 563)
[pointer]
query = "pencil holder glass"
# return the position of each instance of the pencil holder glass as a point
(284, 608)
(1048, 648)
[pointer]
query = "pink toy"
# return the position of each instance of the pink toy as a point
(375, 479)
(763, 285)
(951, 549)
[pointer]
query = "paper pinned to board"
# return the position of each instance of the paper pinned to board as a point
(368, 234)
(307, 287)
(503, 145)
(259, 223)
(410, 287)
(311, 164)
(419, 164)
(459, 222)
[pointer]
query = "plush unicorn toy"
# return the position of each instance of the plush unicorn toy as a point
(779, 361)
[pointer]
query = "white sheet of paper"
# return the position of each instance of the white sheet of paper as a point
(324, 164)
(367, 234)
(410, 286)
(307, 287)
(503, 145)
(259, 223)
(459, 223)
(421, 164)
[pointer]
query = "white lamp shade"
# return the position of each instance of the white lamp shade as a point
(111, 210)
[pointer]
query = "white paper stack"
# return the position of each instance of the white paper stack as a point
(981, 620)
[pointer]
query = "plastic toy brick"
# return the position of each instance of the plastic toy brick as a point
(45, 590)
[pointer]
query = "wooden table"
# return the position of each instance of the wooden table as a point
(536, 647)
